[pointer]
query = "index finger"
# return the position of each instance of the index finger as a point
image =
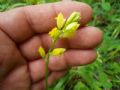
(26, 21)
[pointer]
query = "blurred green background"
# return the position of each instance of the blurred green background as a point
(104, 73)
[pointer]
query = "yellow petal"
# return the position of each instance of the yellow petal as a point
(60, 20)
(58, 51)
(41, 52)
(54, 32)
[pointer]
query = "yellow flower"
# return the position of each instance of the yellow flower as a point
(60, 20)
(54, 32)
(58, 51)
(41, 52)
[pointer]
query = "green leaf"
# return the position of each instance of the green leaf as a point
(41, 52)
(103, 77)
(107, 85)
(60, 20)
(80, 86)
(58, 51)
(116, 32)
(105, 80)
(106, 6)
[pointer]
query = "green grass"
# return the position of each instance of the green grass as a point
(104, 73)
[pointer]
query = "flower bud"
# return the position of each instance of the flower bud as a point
(74, 17)
(54, 33)
(58, 51)
(70, 30)
(41, 52)
(60, 20)
(73, 26)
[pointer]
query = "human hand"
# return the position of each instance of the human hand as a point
(24, 30)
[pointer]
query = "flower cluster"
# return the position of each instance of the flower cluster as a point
(65, 28)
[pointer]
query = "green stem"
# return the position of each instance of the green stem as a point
(47, 62)
(46, 73)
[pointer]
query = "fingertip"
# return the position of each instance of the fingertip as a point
(86, 38)
(100, 33)
(88, 12)
(81, 57)
(96, 36)
(93, 57)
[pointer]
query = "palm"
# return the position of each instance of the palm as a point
(21, 34)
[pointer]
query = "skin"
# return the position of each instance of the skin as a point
(23, 30)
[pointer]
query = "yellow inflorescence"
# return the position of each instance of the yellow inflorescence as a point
(65, 29)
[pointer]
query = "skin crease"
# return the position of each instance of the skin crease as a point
(23, 30)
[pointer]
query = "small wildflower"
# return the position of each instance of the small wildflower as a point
(72, 27)
(60, 21)
(70, 30)
(64, 29)
(54, 33)
(58, 51)
(74, 17)
(41, 52)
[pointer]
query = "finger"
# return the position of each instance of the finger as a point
(51, 79)
(72, 58)
(10, 57)
(17, 79)
(69, 59)
(85, 38)
(37, 70)
(22, 23)
(55, 76)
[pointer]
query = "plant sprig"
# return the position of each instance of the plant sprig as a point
(66, 28)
